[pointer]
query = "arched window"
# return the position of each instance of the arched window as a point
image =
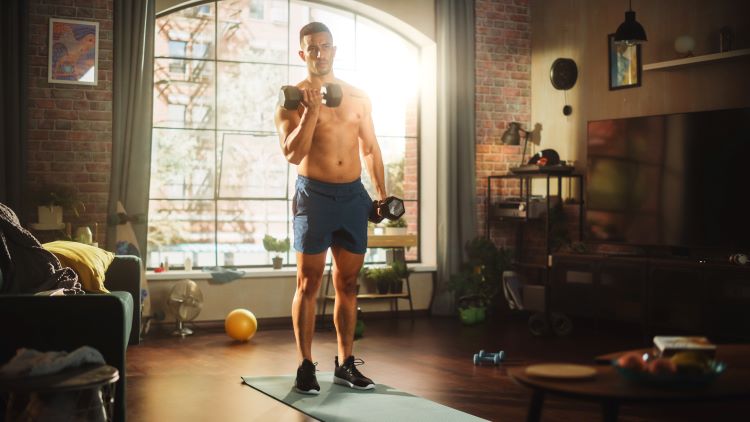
(219, 182)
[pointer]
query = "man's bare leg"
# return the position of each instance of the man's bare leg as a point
(346, 266)
(309, 276)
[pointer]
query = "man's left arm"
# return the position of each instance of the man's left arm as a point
(370, 150)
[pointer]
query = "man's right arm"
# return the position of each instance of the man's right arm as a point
(295, 132)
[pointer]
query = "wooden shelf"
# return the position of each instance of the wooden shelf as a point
(696, 59)
(391, 241)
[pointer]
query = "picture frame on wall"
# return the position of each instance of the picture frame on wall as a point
(624, 64)
(73, 52)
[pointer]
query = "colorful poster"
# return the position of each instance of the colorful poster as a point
(73, 52)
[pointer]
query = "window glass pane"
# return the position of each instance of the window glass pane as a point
(188, 84)
(186, 33)
(242, 226)
(182, 164)
(395, 163)
(340, 23)
(180, 228)
(248, 94)
(253, 30)
(392, 88)
(251, 166)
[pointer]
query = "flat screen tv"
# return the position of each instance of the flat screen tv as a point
(677, 180)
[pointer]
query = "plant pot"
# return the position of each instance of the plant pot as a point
(395, 231)
(50, 216)
(397, 286)
(277, 261)
(370, 285)
(383, 286)
(472, 314)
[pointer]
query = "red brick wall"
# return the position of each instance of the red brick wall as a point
(503, 95)
(70, 126)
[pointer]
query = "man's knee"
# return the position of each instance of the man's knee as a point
(308, 281)
(346, 282)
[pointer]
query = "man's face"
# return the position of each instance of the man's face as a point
(318, 52)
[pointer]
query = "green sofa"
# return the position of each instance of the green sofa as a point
(106, 322)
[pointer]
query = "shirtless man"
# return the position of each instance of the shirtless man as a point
(330, 204)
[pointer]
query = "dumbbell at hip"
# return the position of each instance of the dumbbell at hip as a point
(391, 208)
(290, 96)
(493, 358)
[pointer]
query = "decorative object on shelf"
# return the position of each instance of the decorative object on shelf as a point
(84, 235)
(384, 278)
(512, 136)
(52, 200)
(271, 244)
(185, 301)
(73, 52)
(630, 32)
(396, 227)
(726, 38)
(684, 45)
(563, 74)
(624, 64)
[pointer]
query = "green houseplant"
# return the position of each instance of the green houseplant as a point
(384, 278)
(478, 283)
(278, 246)
(53, 199)
(396, 227)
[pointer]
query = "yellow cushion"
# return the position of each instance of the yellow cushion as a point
(89, 262)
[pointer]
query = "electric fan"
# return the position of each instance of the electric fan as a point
(185, 300)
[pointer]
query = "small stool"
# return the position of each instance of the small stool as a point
(86, 393)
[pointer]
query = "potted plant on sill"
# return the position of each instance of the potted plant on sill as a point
(396, 227)
(272, 244)
(402, 272)
(52, 200)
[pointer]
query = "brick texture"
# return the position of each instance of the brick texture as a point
(70, 126)
(503, 95)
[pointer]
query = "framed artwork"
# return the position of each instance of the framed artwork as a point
(624, 64)
(73, 52)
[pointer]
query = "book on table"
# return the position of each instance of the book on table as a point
(669, 345)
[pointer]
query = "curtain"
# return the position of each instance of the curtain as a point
(132, 116)
(13, 109)
(456, 197)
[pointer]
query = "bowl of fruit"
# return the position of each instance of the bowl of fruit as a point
(683, 369)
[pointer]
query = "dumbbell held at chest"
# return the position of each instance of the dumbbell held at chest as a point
(391, 208)
(290, 96)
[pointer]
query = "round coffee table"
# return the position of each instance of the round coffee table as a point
(610, 389)
(94, 387)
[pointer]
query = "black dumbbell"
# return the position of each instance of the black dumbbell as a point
(290, 96)
(391, 208)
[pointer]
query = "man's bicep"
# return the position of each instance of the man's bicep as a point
(286, 121)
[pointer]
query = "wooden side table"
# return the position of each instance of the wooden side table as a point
(86, 392)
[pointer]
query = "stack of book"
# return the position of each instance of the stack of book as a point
(667, 346)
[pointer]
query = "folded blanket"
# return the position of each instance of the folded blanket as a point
(32, 362)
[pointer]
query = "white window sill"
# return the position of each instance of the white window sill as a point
(251, 273)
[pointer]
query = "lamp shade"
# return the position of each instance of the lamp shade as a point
(630, 31)
(511, 136)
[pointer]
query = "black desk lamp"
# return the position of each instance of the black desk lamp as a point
(511, 136)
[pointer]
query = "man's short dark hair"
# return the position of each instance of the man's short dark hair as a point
(313, 28)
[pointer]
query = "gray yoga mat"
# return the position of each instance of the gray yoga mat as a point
(338, 403)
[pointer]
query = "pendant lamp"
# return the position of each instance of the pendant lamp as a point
(630, 32)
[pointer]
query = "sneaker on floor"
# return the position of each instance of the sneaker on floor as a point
(347, 374)
(306, 382)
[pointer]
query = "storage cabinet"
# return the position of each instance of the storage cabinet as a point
(666, 296)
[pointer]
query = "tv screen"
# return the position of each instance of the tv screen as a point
(678, 180)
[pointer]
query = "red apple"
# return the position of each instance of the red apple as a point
(631, 361)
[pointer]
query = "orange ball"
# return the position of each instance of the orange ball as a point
(240, 324)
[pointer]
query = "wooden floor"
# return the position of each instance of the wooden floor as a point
(198, 378)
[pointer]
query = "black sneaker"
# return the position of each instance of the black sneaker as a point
(306, 382)
(348, 374)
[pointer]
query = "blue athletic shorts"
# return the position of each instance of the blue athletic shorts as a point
(330, 214)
